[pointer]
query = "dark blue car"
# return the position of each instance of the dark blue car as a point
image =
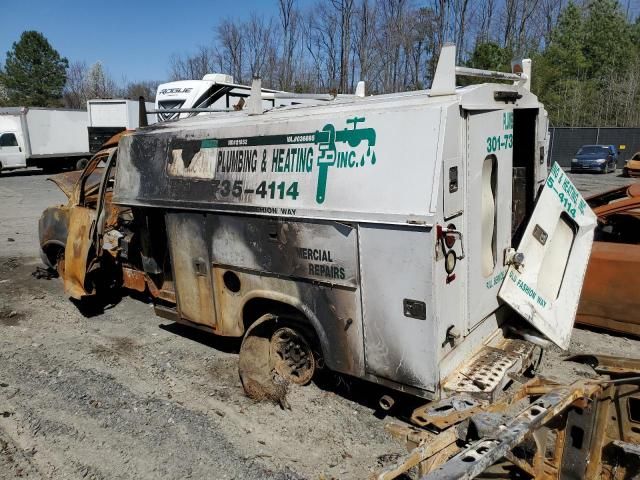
(598, 158)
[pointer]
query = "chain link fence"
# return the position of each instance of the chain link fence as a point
(565, 142)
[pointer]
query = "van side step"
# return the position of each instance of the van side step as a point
(488, 372)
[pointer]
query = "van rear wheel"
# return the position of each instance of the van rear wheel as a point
(273, 355)
(293, 357)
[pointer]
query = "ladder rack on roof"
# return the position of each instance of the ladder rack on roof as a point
(444, 80)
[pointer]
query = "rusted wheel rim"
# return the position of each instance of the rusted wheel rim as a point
(292, 356)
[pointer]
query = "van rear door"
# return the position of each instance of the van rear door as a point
(544, 279)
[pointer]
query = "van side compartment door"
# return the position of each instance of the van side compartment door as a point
(397, 303)
(545, 277)
(189, 250)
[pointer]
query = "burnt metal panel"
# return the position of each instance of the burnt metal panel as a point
(334, 312)
(191, 267)
(324, 252)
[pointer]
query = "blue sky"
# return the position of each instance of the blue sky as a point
(132, 39)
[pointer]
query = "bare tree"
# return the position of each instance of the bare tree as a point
(191, 67)
(364, 40)
(290, 23)
(394, 45)
(146, 89)
(485, 12)
(98, 83)
(549, 11)
(259, 44)
(74, 95)
(344, 11)
(460, 14)
(230, 49)
(323, 44)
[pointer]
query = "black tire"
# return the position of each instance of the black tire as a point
(50, 169)
(82, 163)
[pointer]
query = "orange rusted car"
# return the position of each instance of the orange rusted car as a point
(610, 298)
(632, 167)
(92, 243)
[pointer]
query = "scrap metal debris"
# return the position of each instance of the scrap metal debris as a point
(588, 429)
(45, 273)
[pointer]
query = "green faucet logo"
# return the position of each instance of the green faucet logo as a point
(328, 137)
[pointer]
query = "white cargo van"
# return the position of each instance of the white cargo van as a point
(48, 138)
(413, 239)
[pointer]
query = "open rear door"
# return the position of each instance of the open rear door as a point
(544, 286)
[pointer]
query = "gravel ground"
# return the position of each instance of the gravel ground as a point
(125, 394)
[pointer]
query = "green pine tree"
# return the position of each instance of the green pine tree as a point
(607, 38)
(490, 56)
(34, 72)
(564, 56)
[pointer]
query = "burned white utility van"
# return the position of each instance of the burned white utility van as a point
(402, 239)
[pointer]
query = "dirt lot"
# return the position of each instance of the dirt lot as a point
(124, 394)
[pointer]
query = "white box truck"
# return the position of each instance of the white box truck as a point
(110, 116)
(47, 138)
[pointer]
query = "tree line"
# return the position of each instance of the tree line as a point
(586, 53)
(35, 74)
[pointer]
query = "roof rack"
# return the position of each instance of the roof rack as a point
(444, 80)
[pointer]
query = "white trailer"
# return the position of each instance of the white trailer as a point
(48, 138)
(110, 116)
(218, 92)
